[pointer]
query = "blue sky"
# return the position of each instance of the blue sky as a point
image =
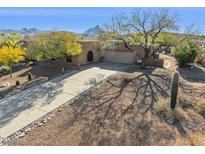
(80, 19)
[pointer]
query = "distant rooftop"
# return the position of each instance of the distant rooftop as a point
(199, 41)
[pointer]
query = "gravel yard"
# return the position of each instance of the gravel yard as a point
(120, 112)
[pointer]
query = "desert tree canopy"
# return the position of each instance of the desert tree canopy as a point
(141, 27)
(10, 56)
(11, 40)
(53, 45)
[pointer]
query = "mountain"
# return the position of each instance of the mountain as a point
(24, 31)
(93, 32)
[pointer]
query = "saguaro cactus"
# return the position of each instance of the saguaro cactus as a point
(29, 76)
(174, 90)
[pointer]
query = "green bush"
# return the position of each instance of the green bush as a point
(185, 52)
(4, 69)
(31, 63)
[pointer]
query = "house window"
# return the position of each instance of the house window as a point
(69, 59)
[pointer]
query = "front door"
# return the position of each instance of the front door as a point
(90, 56)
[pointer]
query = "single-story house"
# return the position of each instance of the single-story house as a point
(115, 53)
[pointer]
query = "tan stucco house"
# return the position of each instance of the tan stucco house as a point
(115, 53)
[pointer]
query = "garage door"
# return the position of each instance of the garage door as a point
(120, 57)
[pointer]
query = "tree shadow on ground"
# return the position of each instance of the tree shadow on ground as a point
(12, 106)
(122, 104)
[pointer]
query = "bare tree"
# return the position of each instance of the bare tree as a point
(141, 27)
(191, 32)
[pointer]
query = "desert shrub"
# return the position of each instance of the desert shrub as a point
(17, 83)
(162, 110)
(196, 139)
(4, 69)
(29, 76)
(185, 52)
(184, 102)
(31, 63)
(201, 107)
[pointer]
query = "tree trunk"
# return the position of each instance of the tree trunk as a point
(143, 65)
(60, 62)
(144, 60)
(10, 71)
(62, 65)
(62, 69)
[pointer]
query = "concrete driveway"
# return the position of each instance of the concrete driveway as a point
(25, 107)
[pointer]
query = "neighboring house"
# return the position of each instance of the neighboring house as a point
(115, 53)
(201, 43)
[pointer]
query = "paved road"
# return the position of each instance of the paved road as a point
(23, 108)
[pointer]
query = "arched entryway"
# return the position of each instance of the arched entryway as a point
(90, 56)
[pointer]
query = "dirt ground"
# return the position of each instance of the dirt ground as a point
(120, 112)
(41, 72)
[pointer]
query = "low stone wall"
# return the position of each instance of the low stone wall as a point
(156, 63)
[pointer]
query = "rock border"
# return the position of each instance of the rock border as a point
(44, 119)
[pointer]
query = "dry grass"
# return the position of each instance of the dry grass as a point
(194, 139)
(117, 113)
(131, 108)
(201, 106)
(161, 109)
(184, 103)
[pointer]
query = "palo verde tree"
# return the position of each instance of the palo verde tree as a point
(11, 40)
(52, 46)
(141, 27)
(166, 41)
(11, 55)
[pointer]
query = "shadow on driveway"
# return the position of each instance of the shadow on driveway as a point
(12, 106)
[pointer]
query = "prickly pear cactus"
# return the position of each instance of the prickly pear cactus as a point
(174, 89)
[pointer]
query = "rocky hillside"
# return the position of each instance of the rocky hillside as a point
(24, 31)
(93, 32)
